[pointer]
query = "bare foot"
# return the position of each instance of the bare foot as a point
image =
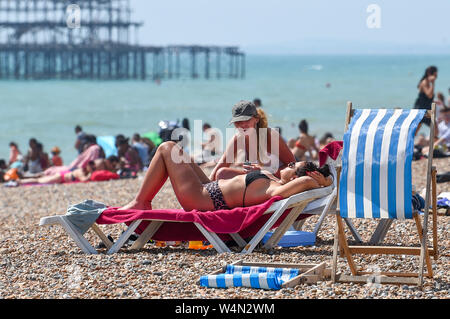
(137, 205)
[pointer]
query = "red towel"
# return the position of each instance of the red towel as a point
(332, 150)
(245, 220)
(103, 175)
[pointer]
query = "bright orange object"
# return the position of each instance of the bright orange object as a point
(198, 245)
(160, 243)
(11, 175)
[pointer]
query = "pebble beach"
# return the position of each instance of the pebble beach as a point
(44, 263)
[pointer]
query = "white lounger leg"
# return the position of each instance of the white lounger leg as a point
(259, 236)
(218, 244)
(151, 229)
(281, 230)
(325, 212)
(81, 242)
(239, 240)
(124, 237)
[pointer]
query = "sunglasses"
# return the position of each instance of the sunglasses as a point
(291, 165)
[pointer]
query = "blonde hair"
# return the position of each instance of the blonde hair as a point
(263, 123)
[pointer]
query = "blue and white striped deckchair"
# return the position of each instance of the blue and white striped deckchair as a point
(376, 181)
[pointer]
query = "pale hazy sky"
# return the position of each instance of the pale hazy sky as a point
(298, 26)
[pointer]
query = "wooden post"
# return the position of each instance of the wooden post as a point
(423, 246)
(242, 65)
(169, 62)
(193, 63)
(218, 57)
(177, 65)
(207, 63)
(434, 211)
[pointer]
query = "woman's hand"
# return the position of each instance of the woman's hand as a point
(319, 178)
(251, 167)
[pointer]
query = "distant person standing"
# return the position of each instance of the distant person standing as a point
(81, 139)
(257, 102)
(426, 93)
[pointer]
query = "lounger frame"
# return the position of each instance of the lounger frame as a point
(296, 203)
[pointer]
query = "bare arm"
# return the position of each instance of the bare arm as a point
(296, 186)
(224, 160)
(82, 174)
(303, 183)
(427, 87)
(285, 155)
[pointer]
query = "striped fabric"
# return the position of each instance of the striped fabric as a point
(248, 276)
(376, 164)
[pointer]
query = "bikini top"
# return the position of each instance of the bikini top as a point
(253, 176)
(250, 178)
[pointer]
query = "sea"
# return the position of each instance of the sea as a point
(292, 88)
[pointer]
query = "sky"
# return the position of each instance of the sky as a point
(298, 26)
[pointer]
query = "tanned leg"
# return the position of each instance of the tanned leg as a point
(185, 179)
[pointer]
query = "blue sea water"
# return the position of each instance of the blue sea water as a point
(291, 88)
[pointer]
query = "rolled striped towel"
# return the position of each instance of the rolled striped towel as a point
(250, 276)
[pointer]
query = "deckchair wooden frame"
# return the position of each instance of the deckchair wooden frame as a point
(296, 203)
(308, 273)
(423, 251)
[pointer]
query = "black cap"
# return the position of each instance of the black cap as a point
(243, 111)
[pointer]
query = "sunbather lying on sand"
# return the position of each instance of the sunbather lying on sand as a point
(78, 175)
(194, 190)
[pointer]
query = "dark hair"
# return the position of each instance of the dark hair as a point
(113, 158)
(121, 141)
(92, 139)
(429, 71)
(257, 102)
(13, 144)
(2, 162)
(92, 165)
(206, 126)
(303, 126)
(185, 124)
(78, 128)
(326, 136)
(311, 167)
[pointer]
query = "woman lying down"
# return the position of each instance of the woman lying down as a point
(194, 190)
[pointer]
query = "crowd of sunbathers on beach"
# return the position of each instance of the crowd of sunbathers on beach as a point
(230, 180)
